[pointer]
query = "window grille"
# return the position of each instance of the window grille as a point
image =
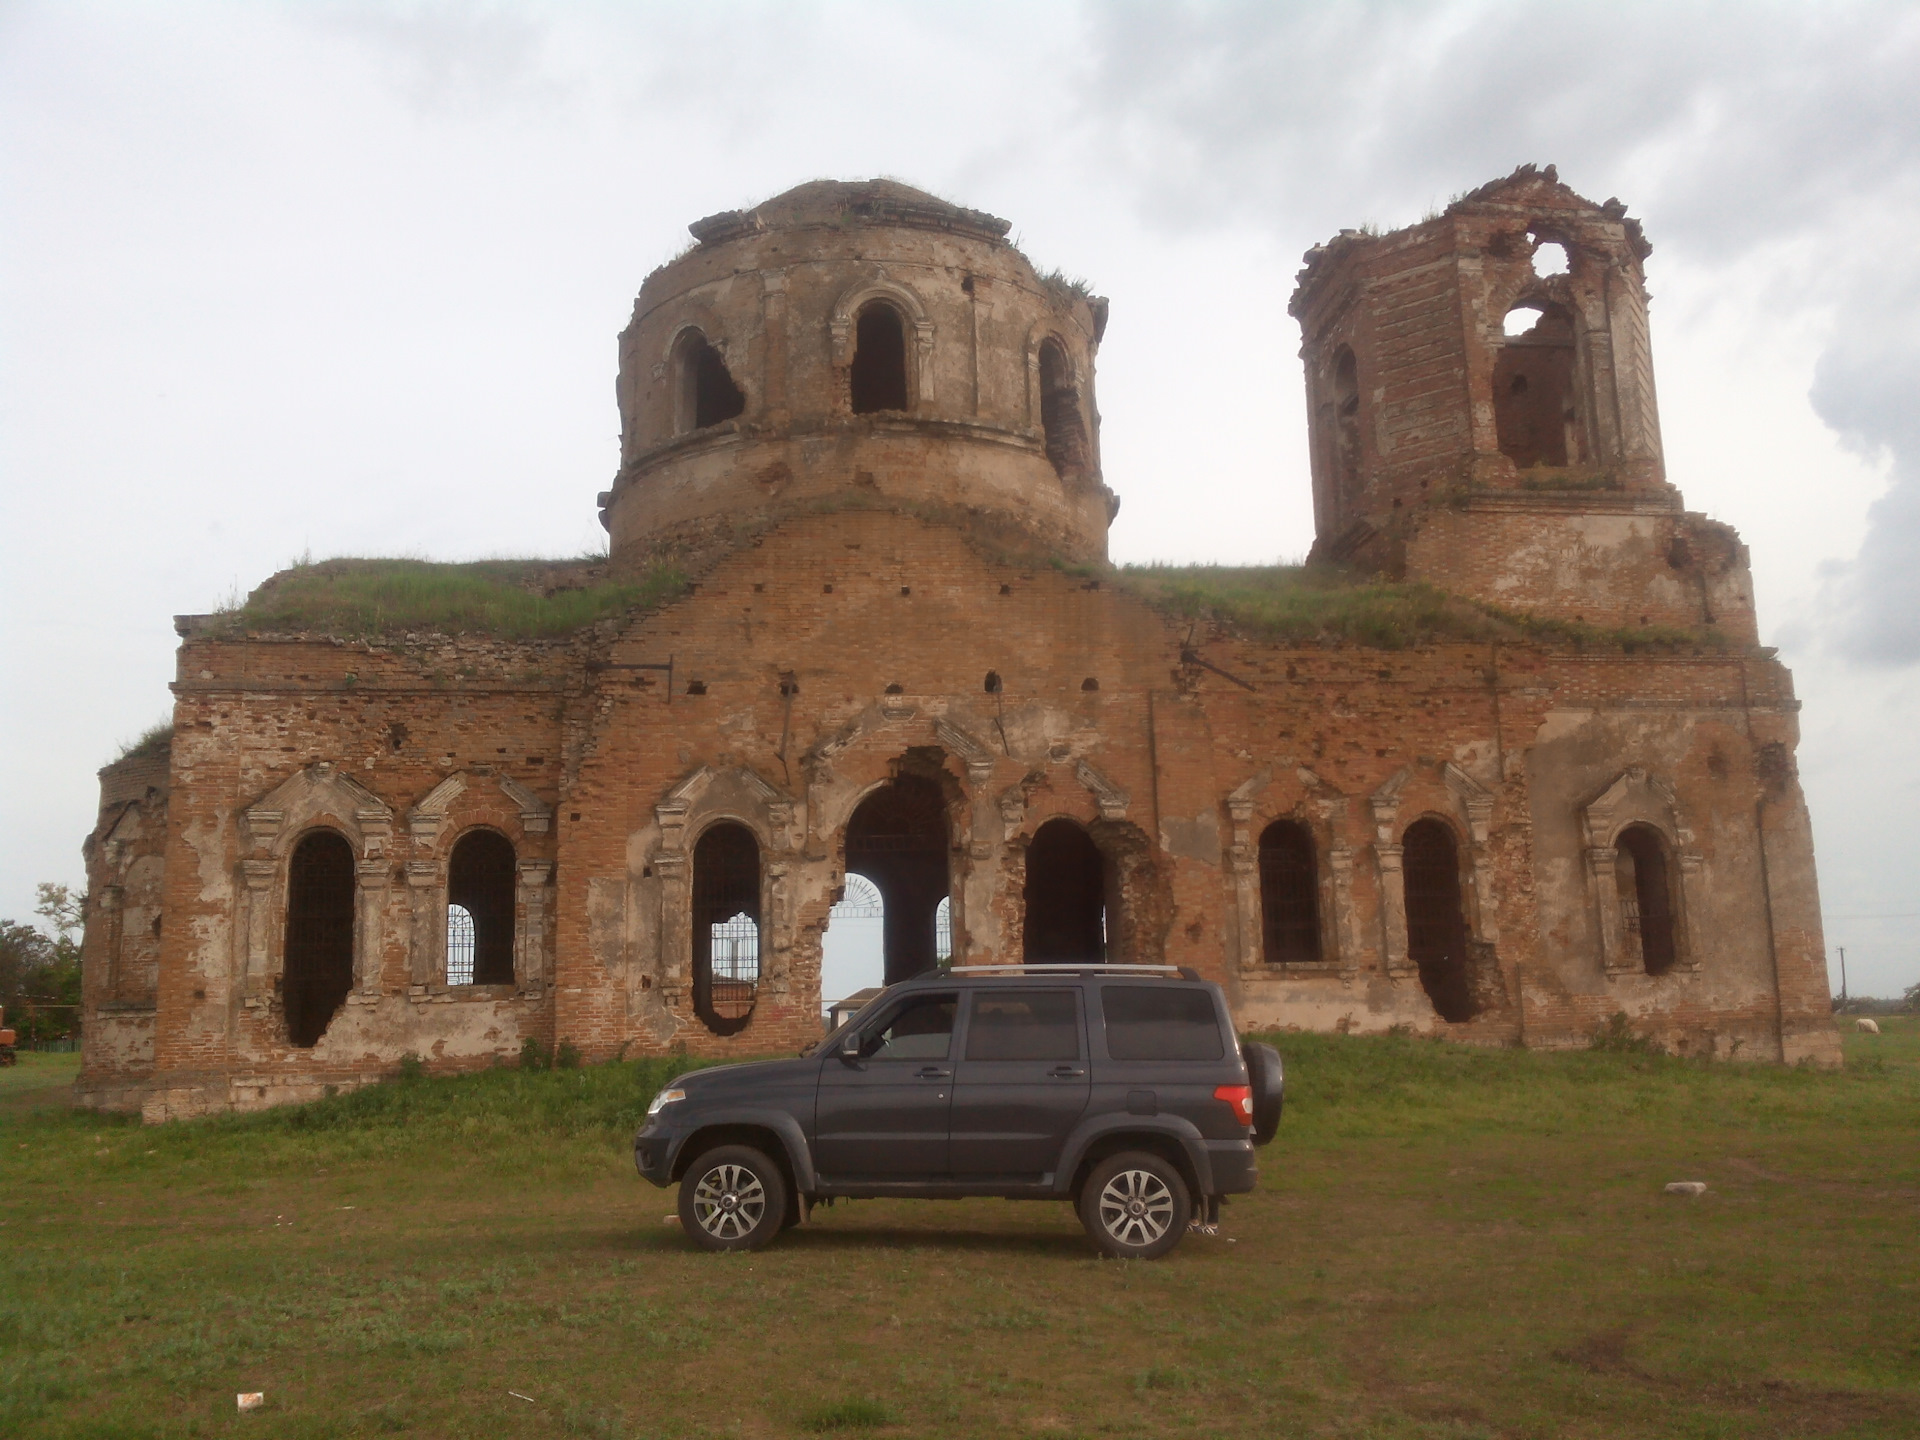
(861, 901)
(943, 931)
(459, 945)
(736, 966)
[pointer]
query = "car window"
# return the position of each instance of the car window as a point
(1160, 1022)
(1024, 1025)
(922, 1029)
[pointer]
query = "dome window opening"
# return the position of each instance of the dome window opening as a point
(1534, 414)
(1060, 416)
(480, 885)
(707, 394)
(879, 374)
(1549, 259)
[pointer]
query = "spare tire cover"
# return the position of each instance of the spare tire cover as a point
(1265, 1076)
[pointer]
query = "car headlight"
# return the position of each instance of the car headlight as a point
(664, 1099)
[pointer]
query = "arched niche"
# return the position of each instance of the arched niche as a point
(320, 796)
(459, 805)
(1638, 802)
(689, 810)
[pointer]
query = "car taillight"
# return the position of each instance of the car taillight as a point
(1240, 1097)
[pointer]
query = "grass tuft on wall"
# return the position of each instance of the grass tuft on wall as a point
(1301, 604)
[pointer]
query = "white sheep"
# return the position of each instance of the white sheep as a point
(1866, 1026)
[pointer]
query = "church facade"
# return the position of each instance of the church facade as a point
(864, 429)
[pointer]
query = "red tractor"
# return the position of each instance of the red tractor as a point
(8, 1056)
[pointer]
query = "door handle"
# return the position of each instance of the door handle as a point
(932, 1072)
(1066, 1072)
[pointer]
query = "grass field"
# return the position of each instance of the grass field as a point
(1446, 1242)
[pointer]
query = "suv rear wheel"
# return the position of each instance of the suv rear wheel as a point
(732, 1198)
(1135, 1206)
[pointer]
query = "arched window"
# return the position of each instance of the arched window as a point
(943, 930)
(1643, 873)
(1534, 414)
(1289, 895)
(480, 881)
(704, 390)
(897, 838)
(726, 927)
(1061, 419)
(1346, 429)
(1436, 925)
(319, 953)
(879, 375)
(1066, 897)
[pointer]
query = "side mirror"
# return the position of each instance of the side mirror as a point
(850, 1046)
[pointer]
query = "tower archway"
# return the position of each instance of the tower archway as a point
(897, 838)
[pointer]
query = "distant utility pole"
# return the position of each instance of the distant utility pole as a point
(1843, 975)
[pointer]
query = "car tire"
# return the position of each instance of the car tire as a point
(1265, 1076)
(1135, 1205)
(732, 1197)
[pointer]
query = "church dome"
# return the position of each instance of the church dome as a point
(858, 342)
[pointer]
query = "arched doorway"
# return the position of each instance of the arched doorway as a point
(1436, 925)
(897, 838)
(319, 953)
(1066, 897)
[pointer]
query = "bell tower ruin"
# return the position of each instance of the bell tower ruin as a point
(1482, 415)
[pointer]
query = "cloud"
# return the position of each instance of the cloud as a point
(1867, 387)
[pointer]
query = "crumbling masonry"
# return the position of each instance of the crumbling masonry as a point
(878, 423)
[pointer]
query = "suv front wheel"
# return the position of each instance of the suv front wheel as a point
(732, 1198)
(1135, 1206)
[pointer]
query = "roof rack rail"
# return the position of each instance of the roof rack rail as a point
(1087, 967)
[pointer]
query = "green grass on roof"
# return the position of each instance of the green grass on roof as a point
(510, 599)
(1298, 604)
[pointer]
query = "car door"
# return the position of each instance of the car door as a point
(1021, 1084)
(882, 1115)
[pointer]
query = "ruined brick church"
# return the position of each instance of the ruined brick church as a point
(865, 428)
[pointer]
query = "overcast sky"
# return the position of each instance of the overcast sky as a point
(296, 279)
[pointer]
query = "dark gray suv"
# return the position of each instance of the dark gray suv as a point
(1121, 1088)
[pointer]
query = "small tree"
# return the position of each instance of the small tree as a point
(40, 975)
